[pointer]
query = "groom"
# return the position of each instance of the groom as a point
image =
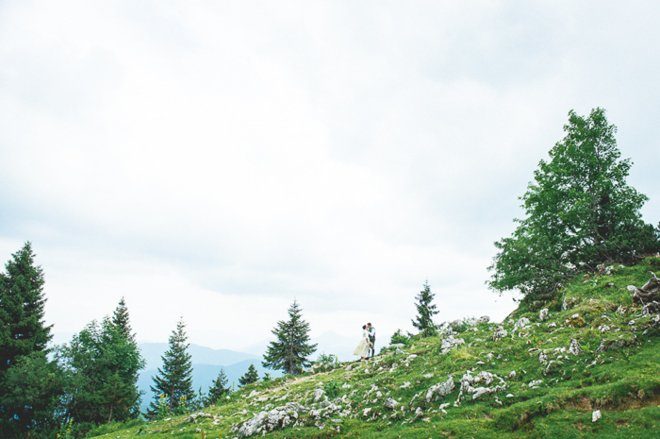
(372, 339)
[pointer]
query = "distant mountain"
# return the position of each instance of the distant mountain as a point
(152, 352)
(206, 363)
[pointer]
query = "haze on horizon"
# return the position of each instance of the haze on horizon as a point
(217, 160)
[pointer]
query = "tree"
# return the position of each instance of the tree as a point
(251, 376)
(219, 389)
(102, 364)
(579, 213)
(174, 380)
(426, 309)
(291, 349)
(29, 381)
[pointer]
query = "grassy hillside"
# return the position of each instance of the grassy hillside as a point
(531, 376)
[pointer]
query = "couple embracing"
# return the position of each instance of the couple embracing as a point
(366, 348)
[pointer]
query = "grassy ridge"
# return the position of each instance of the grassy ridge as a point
(616, 371)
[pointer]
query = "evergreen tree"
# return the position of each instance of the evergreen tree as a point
(121, 320)
(426, 309)
(26, 407)
(291, 350)
(219, 389)
(579, 212)
(251, 376)
(174, 379)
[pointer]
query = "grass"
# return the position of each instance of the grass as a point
(616, 372)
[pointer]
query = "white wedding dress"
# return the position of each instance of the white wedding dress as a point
(362, 349)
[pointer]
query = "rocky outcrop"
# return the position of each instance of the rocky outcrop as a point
(648, 295)
(440, 390)
(267, 421)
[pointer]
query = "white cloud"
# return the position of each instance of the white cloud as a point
(217, 160)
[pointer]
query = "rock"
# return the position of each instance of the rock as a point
(509, 395)
(483, 319)
(428, 375)
(440, 390)
(405, 385)
(648, 295)
(318, 395)
(596, 415)
(450, 342)
(391, 403)
(534, 384)
(543, 358)
(500, 333)
(522, 323)
(512, 374)
(552, 325)
(193, 417)
(604, 328)
(366, 411)
(574, 348)
(267, 421)
(543, 314)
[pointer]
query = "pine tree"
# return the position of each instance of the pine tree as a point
(291, 350)
(251, 376)
(219, 389)
(29, 381)
(121, 320)
(580, 212)
(426, 309)
(174, 379)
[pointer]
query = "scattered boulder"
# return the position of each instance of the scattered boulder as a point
(500, 333)
(574, 347)
(450, 342)
(483, 379)
(483, 319)
(318, 395)
(440, 390)
(596, 415)
(543, 314)
(267, 421)
(535, 384)
(391, 403)
(522, 323)
(648, 295)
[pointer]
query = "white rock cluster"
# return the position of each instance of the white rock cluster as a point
(440, 390)
(267, 421)
(450, 342)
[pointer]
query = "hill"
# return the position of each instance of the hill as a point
(586, 364)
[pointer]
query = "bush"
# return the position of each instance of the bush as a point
(399, 338)
(325, 363)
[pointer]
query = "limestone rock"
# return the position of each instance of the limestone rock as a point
(440, 390)
(596, 415)
(543, 314)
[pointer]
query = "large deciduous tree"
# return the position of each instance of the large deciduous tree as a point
(579, 212)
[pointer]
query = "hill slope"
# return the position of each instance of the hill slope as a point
(534, 375)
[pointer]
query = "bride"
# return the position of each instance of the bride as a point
(362, 349)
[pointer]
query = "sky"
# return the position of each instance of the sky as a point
(216, 160)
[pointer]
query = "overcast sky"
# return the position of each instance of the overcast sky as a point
(215, 160)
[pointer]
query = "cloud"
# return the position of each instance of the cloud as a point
(218, 160)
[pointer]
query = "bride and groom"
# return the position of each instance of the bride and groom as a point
(365, 349)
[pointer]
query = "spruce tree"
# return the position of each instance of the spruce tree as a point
(29, 381)
(291, 350)
(426, 309)
(121, 320)
(251, 376)
(174, 379)
(579, 212)
(219, 389)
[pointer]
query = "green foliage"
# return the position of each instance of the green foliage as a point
(250, 376)
(30, 384)
(174, 378)
(426, 309)
(399, 338)
(331, 389)
(219, 389)
(325, 363)
(102, 364)
(579, 212)
(291, 350)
